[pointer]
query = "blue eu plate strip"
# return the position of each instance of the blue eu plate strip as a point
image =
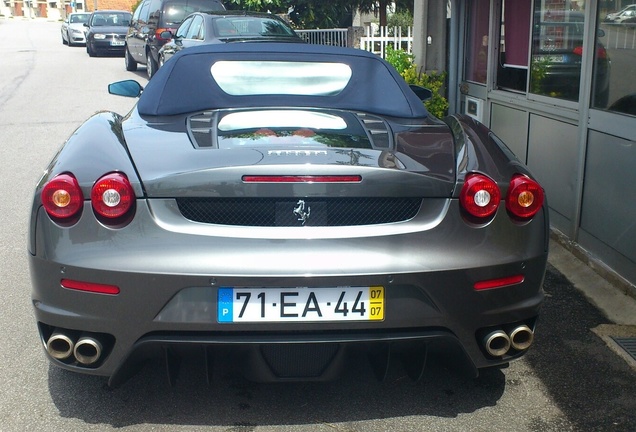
(225, 312)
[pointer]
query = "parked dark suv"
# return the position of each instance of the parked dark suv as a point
(153, 17)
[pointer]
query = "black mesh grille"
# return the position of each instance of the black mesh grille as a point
(273, 212)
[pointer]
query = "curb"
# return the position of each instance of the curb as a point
(598, 266)
(616, 304)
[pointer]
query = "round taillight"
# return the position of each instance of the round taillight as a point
(525, 197)
(480, 196)
(112, 196)
(62, 197)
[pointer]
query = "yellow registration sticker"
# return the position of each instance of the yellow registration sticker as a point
(376, 303)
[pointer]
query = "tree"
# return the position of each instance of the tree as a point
(303, 13)
(319, 13)
(381, 7)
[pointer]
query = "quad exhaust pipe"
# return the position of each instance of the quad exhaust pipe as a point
(65, 345)
(498, 342)
(521, 337)
(87, 350)
(60, 346)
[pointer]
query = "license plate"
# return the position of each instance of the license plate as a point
(549, 59)
(300, 304)
(117, 43)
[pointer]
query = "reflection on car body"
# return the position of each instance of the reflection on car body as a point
(284, 226)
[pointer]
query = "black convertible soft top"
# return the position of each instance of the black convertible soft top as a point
(185, 84)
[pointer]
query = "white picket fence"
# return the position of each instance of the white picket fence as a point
(619, 36)
(377, 42)
(374, 41)
(334, 37)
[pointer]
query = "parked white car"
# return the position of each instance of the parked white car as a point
(614, 17)
(625, 17)
(73, 30)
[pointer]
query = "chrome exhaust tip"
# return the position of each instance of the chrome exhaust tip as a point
(87, 350)
(521, 337)
(60, 346)
(497, 343)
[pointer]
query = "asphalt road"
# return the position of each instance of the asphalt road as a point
(569, 381)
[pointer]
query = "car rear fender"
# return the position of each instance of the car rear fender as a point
(96, 148)
(478, 149)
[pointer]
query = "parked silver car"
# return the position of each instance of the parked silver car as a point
(73, 30)
(614, 17)
(626, 17)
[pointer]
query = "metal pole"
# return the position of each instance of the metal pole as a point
(420, 31)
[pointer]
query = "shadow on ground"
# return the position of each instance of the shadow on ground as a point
(232, 401)
(592, 386)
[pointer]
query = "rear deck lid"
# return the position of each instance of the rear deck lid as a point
(292, 153)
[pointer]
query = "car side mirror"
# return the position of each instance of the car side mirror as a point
(166, 34)
(423, 93)
(128, 88)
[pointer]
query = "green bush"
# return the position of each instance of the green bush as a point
(404, 63)
(402, 19)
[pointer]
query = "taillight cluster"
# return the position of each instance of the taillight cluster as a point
(480, 197)
(525, 197)
(161, 30)
(62, 197)
(601, 52)
(112, 197)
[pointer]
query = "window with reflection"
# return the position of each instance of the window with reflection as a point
(182, 31)
(614, 87)
(291, 129)
(477, 41)
(196, 30)
(557, 49)
(250, 78)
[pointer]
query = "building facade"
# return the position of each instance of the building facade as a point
(556, 80)
(55, 10)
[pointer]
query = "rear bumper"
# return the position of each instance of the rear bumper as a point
(169, 283)
(436, 311)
